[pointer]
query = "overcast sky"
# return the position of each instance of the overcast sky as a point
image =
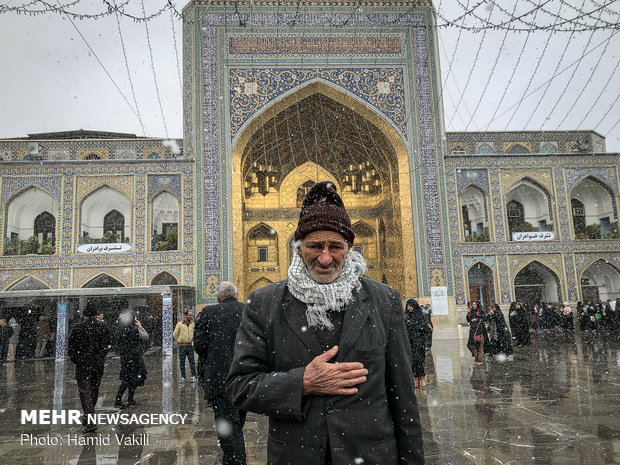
(51, 81)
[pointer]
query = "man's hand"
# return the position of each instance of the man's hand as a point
(323, 378)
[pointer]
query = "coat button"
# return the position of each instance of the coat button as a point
(322, 449)
(330, 409)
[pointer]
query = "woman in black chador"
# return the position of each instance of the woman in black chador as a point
(499, 337)
(130, 341)
(417, 331)
(478, 336)
(520, 321)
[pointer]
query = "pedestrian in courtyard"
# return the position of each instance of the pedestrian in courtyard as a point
(214, 341)
(44, 333)
(519, 319)
(477, 332)
(418, 329)
(14, 339)
(130, 340)
(5, 334)
(567, 318)
(500, 340)
(89, 342)
(184, 335)
(323, 353)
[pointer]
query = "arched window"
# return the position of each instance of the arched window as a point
(114, 222)
(485, 149)
(303, 190)
(165, 222)
(365, 242)
(579, 216)
(44, 226)
(593, 205)
(474, 212)
(518, 149)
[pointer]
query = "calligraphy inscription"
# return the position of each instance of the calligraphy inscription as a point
(314, 45)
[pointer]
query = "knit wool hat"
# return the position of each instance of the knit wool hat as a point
(323, 209)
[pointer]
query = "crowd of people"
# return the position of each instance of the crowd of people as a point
(490, 335)
(26, 338)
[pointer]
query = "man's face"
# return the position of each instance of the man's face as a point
(189, 315)
(324, 253)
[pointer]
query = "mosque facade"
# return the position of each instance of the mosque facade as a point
(279, 95)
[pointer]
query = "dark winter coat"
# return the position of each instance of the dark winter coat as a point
(130, 344)
(214, 341)
(89, 342)
(5, 332)
(379, 424)
(475, 328)
(502, 342)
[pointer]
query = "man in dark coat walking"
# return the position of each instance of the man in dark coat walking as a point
(89, 342)
(214, 341)
(360, 409)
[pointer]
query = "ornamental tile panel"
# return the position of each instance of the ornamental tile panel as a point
(169, 183)
(571, 282)
(88, 184)
(606, 174)
(13, 184)
(123, 274)
(477, 178)
(154, 270)
(252, 89)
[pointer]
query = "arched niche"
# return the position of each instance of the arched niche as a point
(94, 209)
(262, 243)
(319, 126)
(600, 281)
(480, 283)
(593, 209)
(528, 207)
(474, 214)
(536, 282)
(28, 284)
(24, 208)
(164, 279)
(164, 222)
(103, 280)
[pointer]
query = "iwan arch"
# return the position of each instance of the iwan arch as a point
(337, 138)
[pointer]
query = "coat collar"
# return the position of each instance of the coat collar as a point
(355, 316)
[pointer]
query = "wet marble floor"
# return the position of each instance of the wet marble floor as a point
(557, 402)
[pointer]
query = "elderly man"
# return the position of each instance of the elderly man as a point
(325, 353)
(214, 341)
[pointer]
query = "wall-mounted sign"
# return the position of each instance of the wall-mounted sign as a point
(533, 236)
(103, 248)
(439, 300)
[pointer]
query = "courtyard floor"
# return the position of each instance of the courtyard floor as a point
(557, 402)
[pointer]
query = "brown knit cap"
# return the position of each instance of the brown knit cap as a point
(322, 209)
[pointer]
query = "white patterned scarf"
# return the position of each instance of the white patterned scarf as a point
(321, 298)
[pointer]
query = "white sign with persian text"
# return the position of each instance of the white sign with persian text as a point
(533, 236)
(439, 301)
(103, 248)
